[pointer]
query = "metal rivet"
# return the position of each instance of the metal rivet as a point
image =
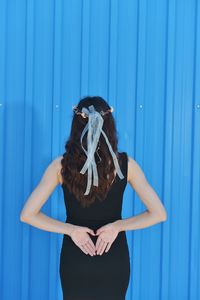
(198, 105)
(57, 106)
(141, 106)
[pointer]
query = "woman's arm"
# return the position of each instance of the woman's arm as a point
(31, 211)
(155, 212)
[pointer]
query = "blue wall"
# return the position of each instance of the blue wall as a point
(144, 58)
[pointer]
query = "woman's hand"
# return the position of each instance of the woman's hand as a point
(81, 238)
(107, 235)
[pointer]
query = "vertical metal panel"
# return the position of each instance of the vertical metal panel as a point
(143, 57)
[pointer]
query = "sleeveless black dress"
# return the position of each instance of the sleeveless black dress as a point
(98, 277)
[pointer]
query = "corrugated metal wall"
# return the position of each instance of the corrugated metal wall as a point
(144, 58)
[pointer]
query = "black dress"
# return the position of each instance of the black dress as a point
(98, 277)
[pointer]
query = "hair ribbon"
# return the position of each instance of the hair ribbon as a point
(94, 128)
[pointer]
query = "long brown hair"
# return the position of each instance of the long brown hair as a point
(74, 156)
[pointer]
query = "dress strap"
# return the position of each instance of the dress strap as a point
(125, 164)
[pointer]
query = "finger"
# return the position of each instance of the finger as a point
(103, 248)
(90, 231)
(101, 244)
(100, 230)
(98, 242)
(86, 246)
(83, 249)
(91, 247)
(108, 247)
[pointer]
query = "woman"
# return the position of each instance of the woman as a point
(94, 258)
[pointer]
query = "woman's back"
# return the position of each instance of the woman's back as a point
(103, 276)
(108, 209)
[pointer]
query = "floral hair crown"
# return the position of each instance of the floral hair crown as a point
(85, 115)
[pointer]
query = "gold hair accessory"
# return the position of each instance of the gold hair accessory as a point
(84, 115)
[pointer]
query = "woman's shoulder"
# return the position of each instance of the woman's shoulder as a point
(134, 169)
(126, 156)
(131, 163)
(58, 166)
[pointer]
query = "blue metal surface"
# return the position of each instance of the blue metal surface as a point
(144, 58)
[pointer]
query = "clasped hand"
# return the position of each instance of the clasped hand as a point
(106, 236)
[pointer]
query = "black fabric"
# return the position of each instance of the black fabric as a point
(98, 277)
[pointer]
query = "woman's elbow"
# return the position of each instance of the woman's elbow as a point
(162, 216)
(25, 217)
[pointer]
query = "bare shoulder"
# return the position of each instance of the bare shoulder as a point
(57, 164)
(134, 172)
(131, 163)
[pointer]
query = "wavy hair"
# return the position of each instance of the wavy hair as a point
(74, 156)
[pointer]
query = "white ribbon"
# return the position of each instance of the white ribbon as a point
(94, 128)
